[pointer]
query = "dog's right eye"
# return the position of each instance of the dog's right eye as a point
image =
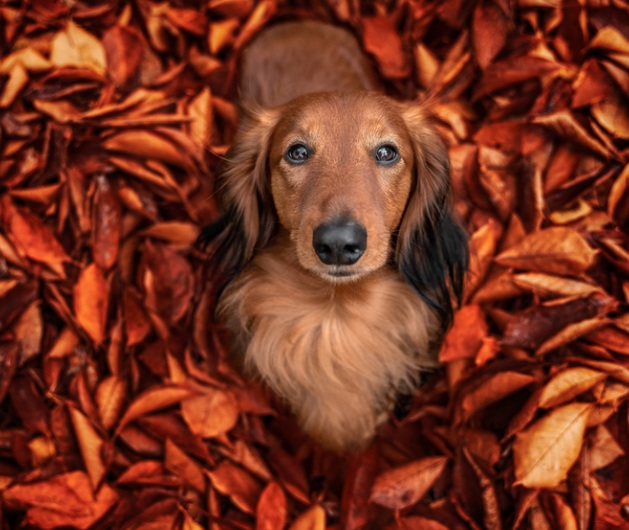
(297, 154)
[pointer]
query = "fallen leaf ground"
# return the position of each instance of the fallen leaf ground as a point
(119, 406)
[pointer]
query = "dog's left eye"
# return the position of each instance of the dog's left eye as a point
(297, 154)
(386, 154)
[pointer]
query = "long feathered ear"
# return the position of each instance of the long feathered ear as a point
(243, 191)
(431, 249)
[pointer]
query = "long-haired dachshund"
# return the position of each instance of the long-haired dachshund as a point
(337, 234)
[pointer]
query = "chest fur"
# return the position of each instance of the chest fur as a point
(336, 353)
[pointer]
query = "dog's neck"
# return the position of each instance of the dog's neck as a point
(325, 346)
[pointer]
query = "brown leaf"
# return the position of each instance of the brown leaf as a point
(495, 388)
(489, 32)
(168, 282)
(149, 145)
(382, 40)
(63, 501)
(8, 364)
(33, 238)
(29, 331)
(544, 453)
(91, 446)
(263, 11)
(177, 232)
(106, 225)
(564, 124)
(18, 79)
(403, 486)
(90, 302)
(124, 50)
(152, 400)
(110, 396)
(618, 201)
(179, 463)
(602, 448)
(548, 286)
(271, 512)
(243, 490)
(361, 472)
(567, 385)
(554, 250)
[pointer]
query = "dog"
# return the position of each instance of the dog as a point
(343, 258)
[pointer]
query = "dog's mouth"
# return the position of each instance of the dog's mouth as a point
(341, 274)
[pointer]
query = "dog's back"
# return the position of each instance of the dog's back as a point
(296, 58)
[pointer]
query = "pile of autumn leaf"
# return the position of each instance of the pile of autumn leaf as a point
(119, 406)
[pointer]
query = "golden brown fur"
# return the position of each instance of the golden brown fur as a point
(336, 354)
(337, 338)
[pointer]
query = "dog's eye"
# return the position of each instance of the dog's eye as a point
(297, 154)
(386, 154)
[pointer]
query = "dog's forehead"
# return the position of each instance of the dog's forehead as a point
(333, 115)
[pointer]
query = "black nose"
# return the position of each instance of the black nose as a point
(339, 242)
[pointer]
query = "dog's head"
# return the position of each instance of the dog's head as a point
(357, 180)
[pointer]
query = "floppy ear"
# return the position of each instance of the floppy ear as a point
(243, 193)
(431, 249)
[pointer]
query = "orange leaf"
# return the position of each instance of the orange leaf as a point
(110, 396)
(168, 281)
(311, 519)
(567, 385)
(152, 400)
(124, 49)
(545, 452)
(33, 238)
(403, 486)
(465, 336)
(91, 446)
(555, 250)
(271, 510)
(179, 463)
(212, 413)
(382, 40)
(63, 501)
(497, 387)
(238, 485)
(90, 302)
(28, 331)
(149, 145)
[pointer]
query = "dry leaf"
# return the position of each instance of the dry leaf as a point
(271, 510)
(554, 250)
(545, 452)
(567, 385)
(403, 486)
(76, 47)
(381, 40)
(64, 500)
(238, 485)
(312, 519)
(212, 413)
(90, 302)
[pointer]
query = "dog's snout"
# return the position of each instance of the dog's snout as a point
(339, 242)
